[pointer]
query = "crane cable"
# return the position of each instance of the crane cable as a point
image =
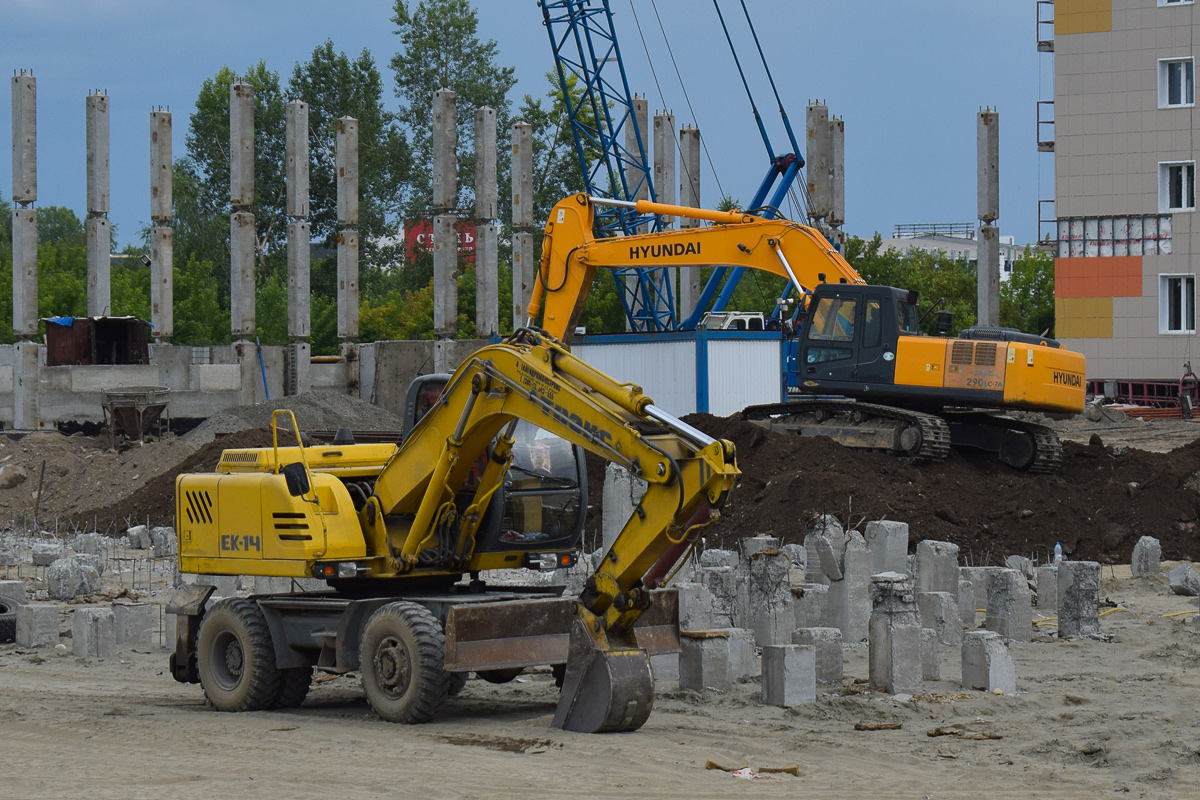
(662, 96)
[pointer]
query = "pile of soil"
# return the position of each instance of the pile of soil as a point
(1097, 505)
(315, 411)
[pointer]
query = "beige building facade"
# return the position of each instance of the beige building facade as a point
(1125, 147)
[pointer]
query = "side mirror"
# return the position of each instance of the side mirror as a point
(945, 321)
(297, 479)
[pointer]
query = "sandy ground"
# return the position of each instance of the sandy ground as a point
(1089, 719)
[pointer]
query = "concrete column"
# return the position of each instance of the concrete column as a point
(819, 154)
(25, 386)
(988, 275)
(445, 276)
(837, 172)
(664, 159)
(241, 144)
(487, 300)
(25, 272)
(445, 142)
(347, 197)
(987, 146)
(524, 265)
(689, 195)
(24, 138)
(99, 240)
(241, 273)
(99, 266)
(522, 170)
(523, 272)
(162, 281)
(162, 238)
(298, 233)
(635, 176)
(161, 179)
(296, 156)
(299, 297)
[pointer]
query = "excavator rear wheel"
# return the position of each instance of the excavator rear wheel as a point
(402, 657)
(294, 684)
(236, 658)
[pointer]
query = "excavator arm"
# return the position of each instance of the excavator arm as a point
(571, 254)
(534, 378)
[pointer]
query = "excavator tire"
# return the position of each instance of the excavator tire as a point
(455, 683)
(402, 657)
(293, 687)
(500, 675)
(8, 618)
(236, 657)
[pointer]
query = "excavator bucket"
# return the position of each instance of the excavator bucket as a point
(606, 688)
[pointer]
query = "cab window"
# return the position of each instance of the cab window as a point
(873, 323)
(833, 320)
(906, 314)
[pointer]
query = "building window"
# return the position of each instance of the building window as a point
(1174, 2)
(1176, 303)
(1176, 82)
(1177, 186)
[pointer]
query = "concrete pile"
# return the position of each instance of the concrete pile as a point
(1078, 595)
(769, 595)
(841, 560)
(986, 663)
(1184, 580)
(1147, 557)
(1010, 606)
(74, 576)
(895, 635)
(37, 626)
(789, 675)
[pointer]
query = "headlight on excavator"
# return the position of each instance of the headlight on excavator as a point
(549, 561)
(340, 569)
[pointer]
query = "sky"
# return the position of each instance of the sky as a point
(907, 77)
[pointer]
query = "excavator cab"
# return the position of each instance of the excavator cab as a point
(849, 336)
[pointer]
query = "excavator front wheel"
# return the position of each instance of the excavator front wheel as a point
(402, 657)
(236, 658)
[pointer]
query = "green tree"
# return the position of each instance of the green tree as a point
(440, 47)
(1027, 297)
(60, 225)
(5, 227)
(200, 316)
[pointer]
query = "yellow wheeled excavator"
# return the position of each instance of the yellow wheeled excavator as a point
(864, 373)
(401, 535)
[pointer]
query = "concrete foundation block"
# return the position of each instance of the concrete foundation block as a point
(888, 543)
(17, 590)
(1183, 579)
(986, 663)
(939, 613)
(621, 494)
(809, 601)
(1010, 606)
(789, 675)
(162, 539)
(46, 553)
(743, 656)
(705, 662)
(772, 615)
(93, 632)
(966, 603)
(139, 537)
(88, 544)
(1047, 588)
(827, 644)
(894, 645)
(1147, 557)
(756, 544)
(135, 623)
(695, 607)
(937, 567)
(850, 597)
(1078, 594)
(72, 577)
(37, 626)
(719, 558)
(665, 667)
(931, 668)
(722, 583)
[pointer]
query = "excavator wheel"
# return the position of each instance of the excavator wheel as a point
(293, 687)
(236, 658)
(455, 681)
(402, 656)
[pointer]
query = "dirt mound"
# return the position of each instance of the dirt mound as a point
(155, 501)
(314, 411)
(1098, 504)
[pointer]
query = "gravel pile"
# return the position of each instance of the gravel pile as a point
(314, 411)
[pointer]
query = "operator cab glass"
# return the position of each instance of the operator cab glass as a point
(906, 316)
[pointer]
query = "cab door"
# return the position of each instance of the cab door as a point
(829, 349)
(877, 345)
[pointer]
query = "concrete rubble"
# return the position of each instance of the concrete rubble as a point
(757, 544)
(1078, 595)
(894, 650)
(789, 675)
(1183, 579)
(162, 539)
(827, 645)
(73, 576)
(824, 544)
(1010, 606)
(87, 544)
(1021, 564)
(1147, 557)
(46, 553)
(139, 537)
(987, 664)
(17, 590)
